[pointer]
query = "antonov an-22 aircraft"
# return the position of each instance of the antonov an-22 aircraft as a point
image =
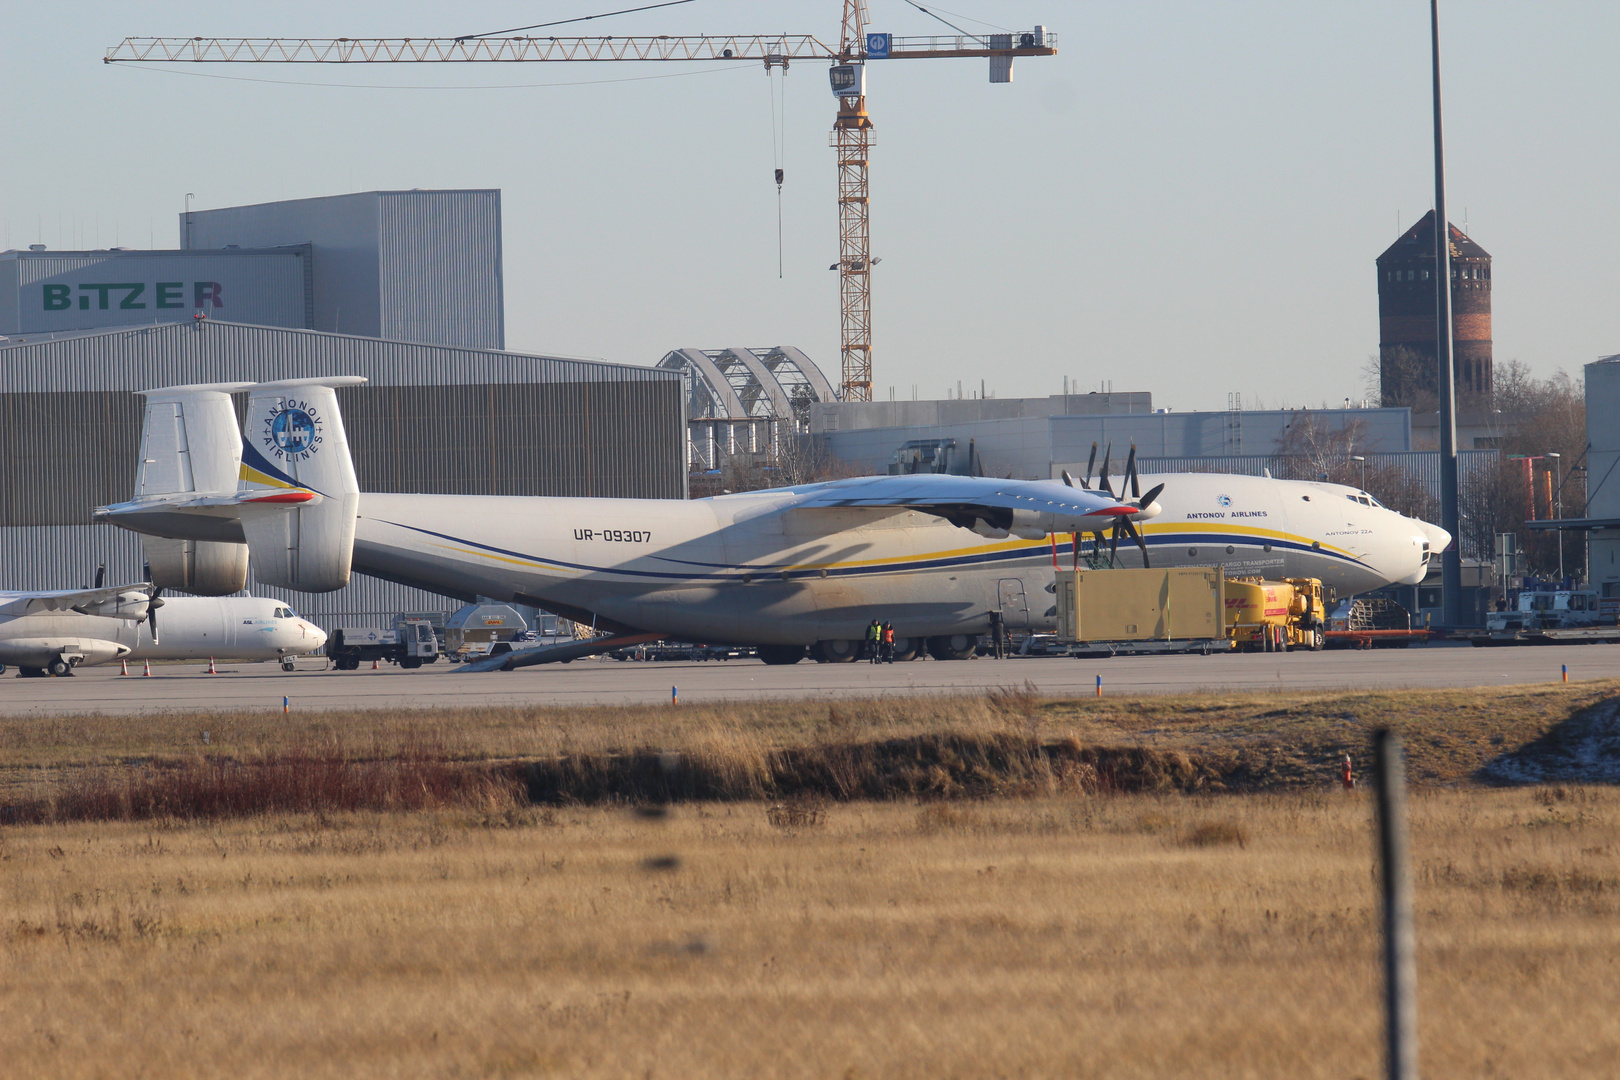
(788, 570)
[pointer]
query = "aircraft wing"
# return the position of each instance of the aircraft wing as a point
(983, 503)
(107, 601)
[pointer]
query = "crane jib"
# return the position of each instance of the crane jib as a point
(852, 133)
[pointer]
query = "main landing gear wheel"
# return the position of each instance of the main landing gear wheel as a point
(780, 654)
(838, 652)
(59, 668)
(907, 648)
(953, 646)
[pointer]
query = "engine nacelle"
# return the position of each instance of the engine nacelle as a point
(129, 606)
(1024, 524)
(201, 567)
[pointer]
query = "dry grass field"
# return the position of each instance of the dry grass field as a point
(1052, 926)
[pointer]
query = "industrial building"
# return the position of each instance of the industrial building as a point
(1407, 353)
(1034, 443)
(432, 419)
(48, 292)
(1600, 524)
(450, 414)
(418, 265)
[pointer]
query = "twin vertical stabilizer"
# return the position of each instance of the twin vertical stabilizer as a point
(283, 494)
(293, 443)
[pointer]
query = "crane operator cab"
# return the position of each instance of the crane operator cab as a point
(848, 80)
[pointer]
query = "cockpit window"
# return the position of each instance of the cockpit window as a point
(286, 613)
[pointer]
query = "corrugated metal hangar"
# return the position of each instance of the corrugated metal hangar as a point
(450, 415)
(432, 419)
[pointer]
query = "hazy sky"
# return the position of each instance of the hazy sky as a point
(1187, 199)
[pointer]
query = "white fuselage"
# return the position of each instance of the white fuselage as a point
(752, 568)
(189, 627)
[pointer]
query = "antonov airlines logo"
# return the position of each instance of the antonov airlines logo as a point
(292, 431)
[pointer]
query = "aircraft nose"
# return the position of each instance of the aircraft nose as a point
(1438, 538)
(314, 635)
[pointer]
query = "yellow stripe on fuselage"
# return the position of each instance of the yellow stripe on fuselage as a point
(902, 562)
(254, 476)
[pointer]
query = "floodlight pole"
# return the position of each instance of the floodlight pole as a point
(1450, 517)
(1558, 488)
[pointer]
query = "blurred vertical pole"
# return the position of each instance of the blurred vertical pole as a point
(1450, 517)
(1400, 966)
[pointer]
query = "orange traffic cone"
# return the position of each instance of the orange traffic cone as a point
(123, 666)
(375, 666)
(211, 669)
(148, 672)
(1346, 775)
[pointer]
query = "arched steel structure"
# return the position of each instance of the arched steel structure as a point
(746, 400)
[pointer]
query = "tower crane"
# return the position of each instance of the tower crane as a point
(851, 134)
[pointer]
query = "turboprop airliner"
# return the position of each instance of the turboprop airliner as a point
(51, 633)
(788, 570)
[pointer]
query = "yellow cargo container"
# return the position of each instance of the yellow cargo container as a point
(1180, 604)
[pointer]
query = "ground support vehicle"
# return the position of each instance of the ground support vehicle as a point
(1372, 623)
(1581, 635)
(1275, 616)
(1114, 612)
(410, 643)
(1550, 617)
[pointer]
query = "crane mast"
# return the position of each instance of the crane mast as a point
(852, 139)
(851, 134)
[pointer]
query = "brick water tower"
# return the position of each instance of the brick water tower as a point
(1406, 317)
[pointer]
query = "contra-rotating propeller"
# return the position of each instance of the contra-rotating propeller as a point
(1123, 522)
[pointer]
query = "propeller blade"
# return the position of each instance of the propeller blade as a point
(152, 610)
(1103, 483)
(1147, 500)
(1130, 474)
(1068, 481)
(1113, 539)
(101, 575)
(1136, 534)
(1090, 461)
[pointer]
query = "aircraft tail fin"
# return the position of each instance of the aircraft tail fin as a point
(294, 445)
(189, 448)
(188, 442)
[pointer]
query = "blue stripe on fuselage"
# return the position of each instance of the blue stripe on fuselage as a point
(982, 557)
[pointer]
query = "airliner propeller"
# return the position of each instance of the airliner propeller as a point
(153, 604)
